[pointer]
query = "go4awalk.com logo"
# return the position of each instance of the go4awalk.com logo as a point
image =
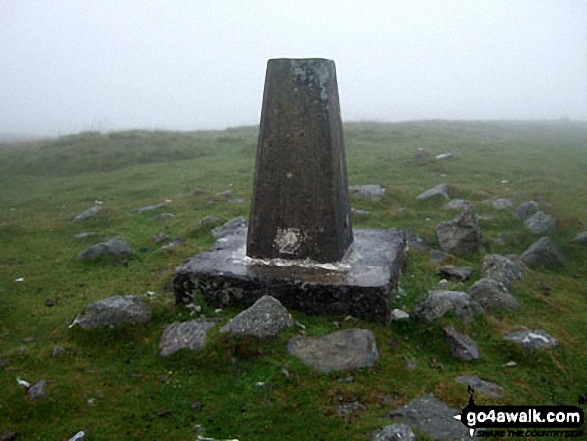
(522, 421)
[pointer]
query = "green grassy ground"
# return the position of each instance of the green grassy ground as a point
(113, 385)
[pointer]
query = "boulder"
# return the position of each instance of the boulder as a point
(462, 346)
(525, 210)
(581, 238)
(114, 247)
(492, 295)
(457, 204)
(230, 227)
(499, 204)
(439, 190)
(149, 208)
(438, 303)
(340, 350)
(395, 432)
(461, 235)
(115, 311)
(501, 269)
(531, 339)
(542, 253)
(265, 318)
(185, 335)
(372, 192)
(460, 273)
(540, 223)
(486, 387)
(86, 214)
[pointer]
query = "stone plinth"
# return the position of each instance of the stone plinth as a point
(360, 285)
(300, 207)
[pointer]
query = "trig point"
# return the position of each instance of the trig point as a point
(299, 246)
(300, 207)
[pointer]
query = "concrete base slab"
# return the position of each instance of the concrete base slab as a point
(361, 285)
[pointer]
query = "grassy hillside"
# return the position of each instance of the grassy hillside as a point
(113, 385)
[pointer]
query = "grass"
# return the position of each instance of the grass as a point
(113, 385)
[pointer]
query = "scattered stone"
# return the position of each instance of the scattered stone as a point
(542, 253)
(438, 303)
(340, 350)
(84, 235)
(418, 242)
(462, 234)
(395, 432)
(439, 190)
(372, 192)
(492, 295)
(185, 335)
(161, 237)
(499, 204)
(113, 247)
(80, 436)
(442, 285)
(345, 410)
(49, 303)
(266, 318)
(28, 340)
(58, 350)
(359, 213)
(462, 346)
(150, 208)
(164, 216)
(206, 221)
(581, 238)
(225, 194)
(501, 269)
(114, 311)
(444, 156)
(488, 388)
(540, 223)
(8, 435)
(230, 227)
(163, 413)
(176, 242)
(525, 210)
(510, 364)
(236, 201)
(197, 406)
(410, 364)
(421, 154)
(531, 339)
(433, 417)
(437, 256)
(399, 314)
(38, 391)
(86, 214)
(457, 204)
(460, 273)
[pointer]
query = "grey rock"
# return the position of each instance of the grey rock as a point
(457, 204)
(225, 194)
(113, 247)
(433, 417)
(161, 237)
(399, 314)
(437, 256)
(421, 154)
(540, 223)
(500, 204)
(395, 432)
(164, 216)
(340, 350)
(149, 208)
(438, 303)
(207, 220)
(58, 350)
(230, 227)
(418, 242)
(115, 311)
(359, 213)
(439, 190)
(371, 192)
(462, 346)
(581, 238)
(236, 201)
(38, 391)
(84, 235)
(542, 253)
(185, 335)
(347, 409)
(86, 214)
(460, 273)
(525, 210)
(531, 339)
(175, 243)
(461, 235)
(486, 387)
(501, 269)
(492, 295)
(8, 435)
(444, 156)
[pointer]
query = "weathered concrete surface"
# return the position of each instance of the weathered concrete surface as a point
(361, 285)
(300, 207)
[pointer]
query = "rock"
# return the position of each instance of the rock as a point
(501, 269)
(86, 214)
(50, 302)
(542, 253)
(185, 335)
(492, 295)
(340, 350)
(460, 273)
(58, 350)
(161, 237)
(225, 194)
(442, 285)
(399, 314)
(444, 156)
(164, 216)
(8, 435)
(439, 190)
(372, 192)
(540, 223)
(149, 208)
(500, 204)
(114, 247)
(531, 339)
(38, 391)
(486, 387)
(236, 201)
(359, 213)
(457, 204)
(207, 220)
(581, 238)
(229, 227)
(525, 210)
(433, 417)
(462, 346)
(461, 235)
(84, 235)
(28, 340)
(347, 409)
(417, 242)
(421, 154)
(266, 318)
(437, 256)
(438, 303)
(115, 311)
(175, 243)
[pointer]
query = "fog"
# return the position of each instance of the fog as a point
(67, 65)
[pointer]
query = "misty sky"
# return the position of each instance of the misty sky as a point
(70, 65)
